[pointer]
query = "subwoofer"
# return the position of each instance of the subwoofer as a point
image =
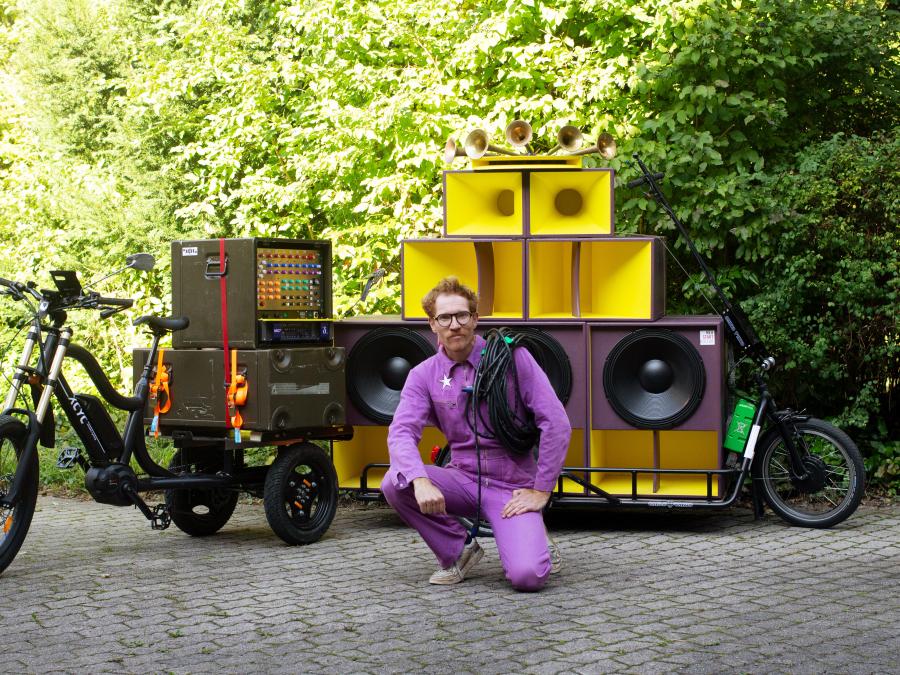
(550, 356)
(381, 352)
(657, 404)
(665, 375)
(654, 378)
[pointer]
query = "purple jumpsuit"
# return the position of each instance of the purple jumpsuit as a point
(433, 396)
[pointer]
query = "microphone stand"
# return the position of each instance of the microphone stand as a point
(737, 324)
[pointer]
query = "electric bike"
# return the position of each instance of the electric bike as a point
(202, 483)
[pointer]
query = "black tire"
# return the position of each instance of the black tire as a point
(199, 512)
(836, 475)
(14, 522)
(300, 494)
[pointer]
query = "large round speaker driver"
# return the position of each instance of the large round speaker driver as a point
(377, 368)
(654, 378)
(551, 357)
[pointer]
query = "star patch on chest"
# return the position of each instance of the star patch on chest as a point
(446, 382)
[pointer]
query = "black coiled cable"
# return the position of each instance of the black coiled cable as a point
(514, 425)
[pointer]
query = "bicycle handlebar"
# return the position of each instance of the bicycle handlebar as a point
(124, 303)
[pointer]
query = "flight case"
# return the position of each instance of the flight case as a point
(288, 388)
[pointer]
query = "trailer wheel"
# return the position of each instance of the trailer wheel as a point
(300, 495)
(199, 512)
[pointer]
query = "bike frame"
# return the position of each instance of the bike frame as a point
(54, 345)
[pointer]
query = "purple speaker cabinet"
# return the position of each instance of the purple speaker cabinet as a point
(348, 332)
(693, 443)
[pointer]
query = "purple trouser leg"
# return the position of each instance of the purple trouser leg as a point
(521, 540)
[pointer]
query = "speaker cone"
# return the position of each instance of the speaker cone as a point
(654, 378)
(551, 357)
(377, 368)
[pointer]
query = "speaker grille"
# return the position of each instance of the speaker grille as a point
(551, 357)
(377, 368)
(654, 378)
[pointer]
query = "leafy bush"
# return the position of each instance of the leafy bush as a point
(830, 292)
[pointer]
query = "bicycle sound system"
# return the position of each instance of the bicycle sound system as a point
(257, 361)
(535, 237)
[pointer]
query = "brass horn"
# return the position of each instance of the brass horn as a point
(518, 133)
(452, 151)
(569, 139)
(477, 145)
(606, 147)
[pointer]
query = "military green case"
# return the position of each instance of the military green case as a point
(299, 388)
(264, 283)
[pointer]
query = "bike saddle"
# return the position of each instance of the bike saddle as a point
(159, 323)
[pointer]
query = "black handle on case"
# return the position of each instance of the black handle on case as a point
(215, 261)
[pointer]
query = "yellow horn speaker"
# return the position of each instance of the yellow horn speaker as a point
(494, 269)
(571, 203)
(483, 204)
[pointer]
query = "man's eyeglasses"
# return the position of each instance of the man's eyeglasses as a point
(444, 320)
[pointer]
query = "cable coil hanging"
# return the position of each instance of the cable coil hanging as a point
(514, 428)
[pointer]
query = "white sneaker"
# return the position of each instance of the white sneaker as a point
(470, 555)
(555, 556)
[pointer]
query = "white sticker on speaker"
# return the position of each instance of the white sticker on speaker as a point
(189, 250)
(707, 337)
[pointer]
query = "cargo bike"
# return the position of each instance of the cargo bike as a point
(202, 482)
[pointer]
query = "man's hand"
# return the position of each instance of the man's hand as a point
(430, 499)
(525, 500)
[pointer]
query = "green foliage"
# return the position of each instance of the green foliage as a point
(126, 124)
(828, 303)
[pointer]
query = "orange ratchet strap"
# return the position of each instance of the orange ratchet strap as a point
(159, 392)
(237, 396)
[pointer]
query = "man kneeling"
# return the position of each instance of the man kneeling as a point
(514, 488)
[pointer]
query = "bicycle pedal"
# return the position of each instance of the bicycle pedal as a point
(69, 457)
(161, 518)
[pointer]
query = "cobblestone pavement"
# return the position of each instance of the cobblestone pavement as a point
(95, 590)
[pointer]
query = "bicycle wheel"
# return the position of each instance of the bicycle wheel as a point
(199, 512)
(300, 494)
(15, 521)
(836, 476)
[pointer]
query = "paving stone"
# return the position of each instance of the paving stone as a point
(95, 590)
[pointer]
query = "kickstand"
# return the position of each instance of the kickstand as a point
(759, 506)
(158, 516)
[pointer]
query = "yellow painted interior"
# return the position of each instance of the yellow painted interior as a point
(471, 200)
(595, 216)
(369, 446)
(615, 279)
(688, 450)
(550, 279)
(575, 457)
(508, 283)
(633, 449)
(427, 261)
(621, 449)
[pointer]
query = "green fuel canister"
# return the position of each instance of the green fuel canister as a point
(741, 422)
